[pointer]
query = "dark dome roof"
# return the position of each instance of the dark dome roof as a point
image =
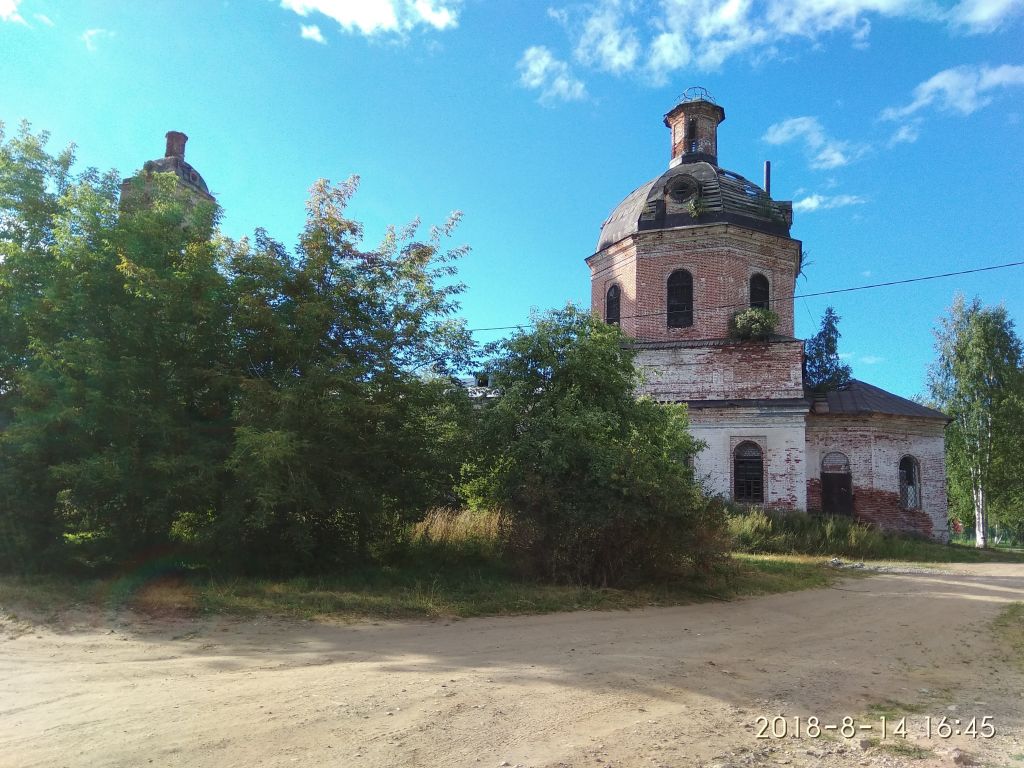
(715, 194)
(188, 175)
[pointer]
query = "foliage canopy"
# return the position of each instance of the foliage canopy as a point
(595, 483)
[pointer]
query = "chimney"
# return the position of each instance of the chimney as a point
(768, 177)
(176, 144)
(694, 125)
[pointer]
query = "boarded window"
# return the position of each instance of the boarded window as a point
(748, 474)
(680, 299)
(759, 292)
(910, 483)
(835, 463)
(611, 305)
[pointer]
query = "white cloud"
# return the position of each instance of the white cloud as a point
(907, 133)
(825, 152)
(42, 18)
(9, 11)
(871, 359)
(979, 16)
(312, 32)
(657, 37)
(963, 89)
(606, 42)
(91, 37)
(370, 17)
(540, 71)
(669, 52)
(824, 202)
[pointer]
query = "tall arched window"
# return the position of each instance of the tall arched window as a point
(759, 292)
(611, 305)
(691, 135)
(748, 473)
(680, 299)
(910, 483)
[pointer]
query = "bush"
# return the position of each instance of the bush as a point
(762, 531)
(753, 324)
(593, 483)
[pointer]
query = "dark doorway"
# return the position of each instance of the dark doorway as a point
(836, 485)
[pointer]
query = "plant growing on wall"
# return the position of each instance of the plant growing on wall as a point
(697, 207)
(753, 324)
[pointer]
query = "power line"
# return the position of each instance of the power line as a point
(794, 297)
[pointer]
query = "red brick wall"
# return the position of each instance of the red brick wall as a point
(721, 258)
(874, 444)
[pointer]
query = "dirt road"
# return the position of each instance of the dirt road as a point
(660, 687)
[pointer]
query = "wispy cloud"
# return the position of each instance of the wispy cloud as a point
(92, 37)
(959, 90)
(963, 89)
(825, 202)
(312, 32)
(607, 41)
(654, 38)
(9, 12)
(870, 359)
(372, 17)
(42, 18)
(977, 16)
(552, 78)
(825, 152)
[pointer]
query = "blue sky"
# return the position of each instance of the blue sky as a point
(895, 126)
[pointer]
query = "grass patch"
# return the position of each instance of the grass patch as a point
(415, 589)
(766, 531)
(1009, 628)
(905, 749)
(451, 565)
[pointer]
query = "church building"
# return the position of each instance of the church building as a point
(675, 261)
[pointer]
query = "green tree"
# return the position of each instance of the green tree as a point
(346, 424)
(596, 484)
(977, 379)
(823, 369)
(118, 402)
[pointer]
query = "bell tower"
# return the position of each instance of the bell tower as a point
(698, 268)
(694, 125)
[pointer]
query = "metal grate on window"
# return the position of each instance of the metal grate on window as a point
(748, 474)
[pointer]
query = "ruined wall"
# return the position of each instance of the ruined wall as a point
(875, 444)
(778, 430)
(721, 257)
(616, 265)
(749, 370)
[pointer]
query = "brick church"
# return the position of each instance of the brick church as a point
(675, 260)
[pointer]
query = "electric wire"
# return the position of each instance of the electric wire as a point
(794, 297)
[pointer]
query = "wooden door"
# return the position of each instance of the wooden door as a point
(837, 493)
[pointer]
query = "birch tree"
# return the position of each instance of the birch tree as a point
(978, 381)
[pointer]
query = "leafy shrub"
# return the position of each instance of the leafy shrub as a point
(753, 324)
(593, 482)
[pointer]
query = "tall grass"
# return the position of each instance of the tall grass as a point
(757, 530)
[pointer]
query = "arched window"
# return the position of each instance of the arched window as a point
(691, 135)
(748, 474)
(759, 292)
(910, 483)
(835, 463)
(680, 299)
(611, 306)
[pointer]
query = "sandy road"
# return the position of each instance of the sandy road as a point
(660, 687)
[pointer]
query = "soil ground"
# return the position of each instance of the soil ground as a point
(679, 686)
